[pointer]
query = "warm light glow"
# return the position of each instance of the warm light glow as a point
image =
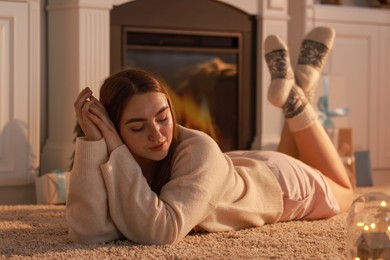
(373, 225)
(383, 204)
(366, 228)
(194, 115)
(357, 258)
(360, 224)
(388, 228)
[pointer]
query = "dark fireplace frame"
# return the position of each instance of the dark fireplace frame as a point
(195, 16)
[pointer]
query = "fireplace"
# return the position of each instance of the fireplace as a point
(81, 32)
(206, 61)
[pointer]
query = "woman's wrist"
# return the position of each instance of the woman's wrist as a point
(111, 146)
(92, 139)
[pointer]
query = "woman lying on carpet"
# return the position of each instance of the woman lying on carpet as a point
(138, 175)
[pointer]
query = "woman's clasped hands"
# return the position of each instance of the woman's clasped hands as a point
(94, 120)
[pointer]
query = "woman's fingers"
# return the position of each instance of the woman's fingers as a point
(94, 120)
(99, 116)
(83, 95)
(82, 107)
(98, 109)
(82, 98)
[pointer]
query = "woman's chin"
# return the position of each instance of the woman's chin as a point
(160, 156)
(156, 155)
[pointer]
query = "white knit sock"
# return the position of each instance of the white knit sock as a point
(282, 75)
(313, 53)
(283, 92)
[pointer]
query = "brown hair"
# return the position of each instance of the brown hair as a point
(118, 89)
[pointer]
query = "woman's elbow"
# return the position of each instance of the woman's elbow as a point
(91, 238)
(156, 239)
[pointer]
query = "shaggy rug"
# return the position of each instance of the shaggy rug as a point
(40, 231)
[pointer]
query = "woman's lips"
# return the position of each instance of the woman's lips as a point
(158, 147)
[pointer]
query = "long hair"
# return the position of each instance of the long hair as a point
(118, 89)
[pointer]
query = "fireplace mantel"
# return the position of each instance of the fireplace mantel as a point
(248, 6)
(78, 56)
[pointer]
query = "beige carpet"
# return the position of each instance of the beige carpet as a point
(39, 231)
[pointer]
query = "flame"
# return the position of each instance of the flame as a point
(195, 90)
(193, 115)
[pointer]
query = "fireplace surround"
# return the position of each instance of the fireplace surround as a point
(79, 56)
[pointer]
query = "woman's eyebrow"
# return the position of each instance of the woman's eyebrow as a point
(139, 119)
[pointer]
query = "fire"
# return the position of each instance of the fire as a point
(196, 89)
(193, 115)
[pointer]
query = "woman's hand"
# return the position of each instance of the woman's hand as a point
(99, 116)
(81, 106)
(94, 118)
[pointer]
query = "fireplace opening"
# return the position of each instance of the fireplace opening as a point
(208, 67)
(201, 71)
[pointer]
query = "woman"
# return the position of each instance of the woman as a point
(138, 175)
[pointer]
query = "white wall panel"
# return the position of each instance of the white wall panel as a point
(19, 123)
(383, 113)
(6, 164)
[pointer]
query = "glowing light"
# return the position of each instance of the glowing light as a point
(194, 115)
(366, 228)
(388, 228)
(360, 224)
(373, 225)
(383, 203)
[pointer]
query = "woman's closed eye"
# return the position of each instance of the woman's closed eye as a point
(137, 127)
(163, 119)
(163, 116)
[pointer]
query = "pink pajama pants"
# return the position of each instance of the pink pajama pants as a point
(306, 193)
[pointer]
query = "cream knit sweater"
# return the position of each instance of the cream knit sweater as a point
(109, 197)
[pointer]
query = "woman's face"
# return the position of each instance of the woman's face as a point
(146, 126)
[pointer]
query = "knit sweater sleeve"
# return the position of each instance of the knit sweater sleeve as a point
(184, 201)
(86, 208)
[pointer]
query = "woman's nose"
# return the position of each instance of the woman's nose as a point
(155, 133)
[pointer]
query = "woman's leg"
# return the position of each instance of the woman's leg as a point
(301, 145)
(313, 144)
(282, 80)
(317, 150)
(313, 52)
(287, 143)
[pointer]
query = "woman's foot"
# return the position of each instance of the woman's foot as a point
(283, 92)
(314, 50)
(282, 75)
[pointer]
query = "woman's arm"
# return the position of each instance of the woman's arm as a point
(198, 181)
(87, 206)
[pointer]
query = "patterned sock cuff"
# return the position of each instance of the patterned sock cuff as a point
(302, 120)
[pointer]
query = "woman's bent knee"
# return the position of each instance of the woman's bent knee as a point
(343, 195)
